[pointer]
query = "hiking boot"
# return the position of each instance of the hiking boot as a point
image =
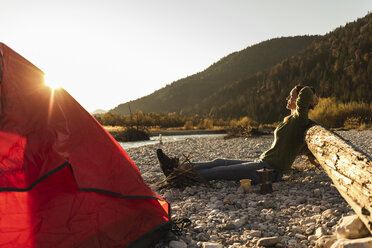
(167, 164)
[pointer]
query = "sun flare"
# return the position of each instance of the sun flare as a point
(52, 82)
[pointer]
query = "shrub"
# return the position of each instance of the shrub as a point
(244, 127)
(132, 134)
(188, 125)
(206, 124)
(334, 114)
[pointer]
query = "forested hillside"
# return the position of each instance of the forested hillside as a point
(190, 91)
(337, 64)
(255, 82)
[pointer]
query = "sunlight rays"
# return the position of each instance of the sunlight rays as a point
(51, 82)
(51, 103)
(54, 86)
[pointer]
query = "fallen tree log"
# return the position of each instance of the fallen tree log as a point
(348, 167)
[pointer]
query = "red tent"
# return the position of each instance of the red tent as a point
(64, 181)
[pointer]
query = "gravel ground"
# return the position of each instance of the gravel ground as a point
(304, 206)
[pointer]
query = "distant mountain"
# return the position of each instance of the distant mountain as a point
(192, 90)
(337, 64)
(255, 81)
(99, 111)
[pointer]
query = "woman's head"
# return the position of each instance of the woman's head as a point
(291, 99)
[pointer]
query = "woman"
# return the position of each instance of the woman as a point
(289, 140)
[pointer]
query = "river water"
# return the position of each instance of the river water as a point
(171, 138)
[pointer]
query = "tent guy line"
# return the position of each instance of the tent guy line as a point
(50, 173)
(42, 178)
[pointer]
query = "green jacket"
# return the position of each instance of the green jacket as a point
(289, 135)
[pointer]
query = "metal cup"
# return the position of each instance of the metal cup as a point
(246, 184)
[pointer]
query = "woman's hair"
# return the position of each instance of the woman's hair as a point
(298, 88)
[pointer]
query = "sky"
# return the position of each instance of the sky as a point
(107, 52)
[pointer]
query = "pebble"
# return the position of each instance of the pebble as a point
(177, 244)
(303, 206)
(211, 245)
(320, 231)
(326, 241)
(269, 241)
(353, 243)
(351, 227)
(292, 242)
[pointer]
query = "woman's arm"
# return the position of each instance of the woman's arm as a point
(303, 102)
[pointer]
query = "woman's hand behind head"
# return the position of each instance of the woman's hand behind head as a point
(314, 102)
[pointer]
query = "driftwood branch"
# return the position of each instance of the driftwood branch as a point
(183, 175)
(349, 169)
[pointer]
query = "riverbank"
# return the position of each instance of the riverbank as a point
(115, 133)
(303, 207)
(187, 132)
(166, 138)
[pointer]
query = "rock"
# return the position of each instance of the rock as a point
(168, 195)
(309, 230)
(240, 190)
(316, 209)
(255, 233)
(212, 245)
(228, 200)
(300, 236)
(269, 217)
(230, 226)
(177, 244)
(213, 237)
(296, 229)
(317, 192)
(266, 204)
(327, 213)
(312, 243)
(353, 243)
(312, 237)
(320, 231)
(325, 241)
(235, 245)
(239, 223)
(306, 221)
(201, 237)
(198, 229)
(269, 241)
(351, 227)
(262, 226)
(292, 243)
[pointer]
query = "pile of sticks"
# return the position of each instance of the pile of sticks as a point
(185, 174)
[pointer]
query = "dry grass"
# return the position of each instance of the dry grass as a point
(333, 114)
(114, 128)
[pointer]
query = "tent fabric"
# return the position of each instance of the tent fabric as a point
(64, 181)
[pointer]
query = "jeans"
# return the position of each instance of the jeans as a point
(228, 169)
